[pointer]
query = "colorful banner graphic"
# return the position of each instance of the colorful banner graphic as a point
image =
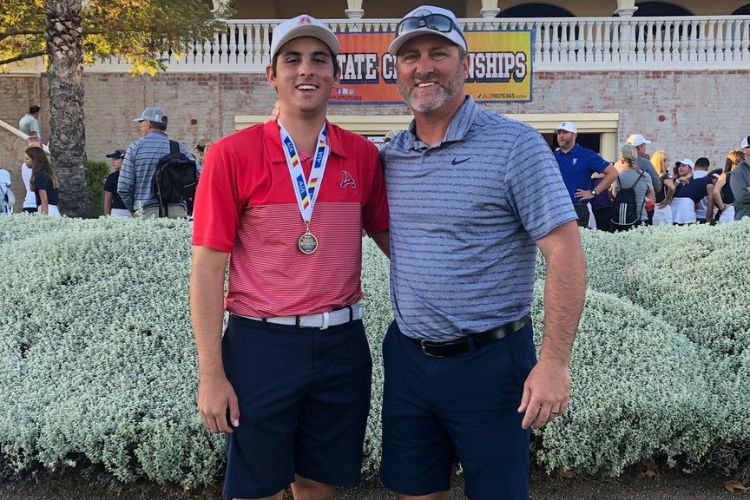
(499, 67)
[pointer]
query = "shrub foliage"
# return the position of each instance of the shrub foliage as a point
(97, 358)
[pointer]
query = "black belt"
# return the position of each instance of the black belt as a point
(470, 342)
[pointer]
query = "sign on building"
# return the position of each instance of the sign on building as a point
(499, 67)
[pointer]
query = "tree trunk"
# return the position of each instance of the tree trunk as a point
(67, 138)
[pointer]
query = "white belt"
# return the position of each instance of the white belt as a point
(320, 320)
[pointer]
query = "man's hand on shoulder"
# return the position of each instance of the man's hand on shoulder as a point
(546, 393)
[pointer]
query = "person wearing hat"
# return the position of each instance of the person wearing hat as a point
(287, 199)
(689, 191)
(644, 161)
(460, 367)
(577, 164)
(740, 182)
(135, 185)
(113, 204)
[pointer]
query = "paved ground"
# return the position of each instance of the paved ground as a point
(78, 485)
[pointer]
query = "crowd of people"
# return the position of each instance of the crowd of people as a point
(641, 189)
(121, 197)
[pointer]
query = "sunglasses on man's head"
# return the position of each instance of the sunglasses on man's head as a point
(434, 22)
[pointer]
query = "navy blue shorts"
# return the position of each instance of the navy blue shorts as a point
(304, 397)
(435, 409)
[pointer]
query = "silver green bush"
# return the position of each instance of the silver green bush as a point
(97, 359)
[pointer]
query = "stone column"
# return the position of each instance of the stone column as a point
(490, 9)
(608, 146)
(355, 10)
(626, 8)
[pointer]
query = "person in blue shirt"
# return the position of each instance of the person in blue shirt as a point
(576, 166)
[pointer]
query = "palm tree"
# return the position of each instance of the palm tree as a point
(67, 140)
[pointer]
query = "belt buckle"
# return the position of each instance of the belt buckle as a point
(424, 345)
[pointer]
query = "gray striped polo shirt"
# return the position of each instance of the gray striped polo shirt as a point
(464, 215)
(134, 185)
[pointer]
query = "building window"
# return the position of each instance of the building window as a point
(742, 11)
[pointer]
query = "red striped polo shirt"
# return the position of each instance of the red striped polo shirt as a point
(246, 206)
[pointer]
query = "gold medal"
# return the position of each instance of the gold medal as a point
(307, 243)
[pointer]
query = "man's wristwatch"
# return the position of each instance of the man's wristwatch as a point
(593, 192)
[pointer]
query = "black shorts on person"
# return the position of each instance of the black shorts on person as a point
(464, 404)
(304, 397)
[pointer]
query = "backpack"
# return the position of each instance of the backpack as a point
(625, 207)
(7, 200)
(175, 178)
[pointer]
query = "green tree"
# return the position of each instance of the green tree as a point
(71, 33)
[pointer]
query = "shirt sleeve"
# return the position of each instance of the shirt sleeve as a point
(218, 207)
(535, 188)
(109, 184)
(738, 183)
(648, 167)
(375, 211)
(126, 183)
(650, 183)
(43, 182)
(597, 163)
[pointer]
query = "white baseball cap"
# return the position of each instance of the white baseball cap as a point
(745, 142)
(637, 140)
(155, 115)
(304, 25)
(428, 20)
(685, 161)
(568, 127)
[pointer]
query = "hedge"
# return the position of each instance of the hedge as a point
(97, 358)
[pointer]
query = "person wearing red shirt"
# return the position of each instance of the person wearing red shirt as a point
(289, 381)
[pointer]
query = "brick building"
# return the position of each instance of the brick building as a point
(673, 71)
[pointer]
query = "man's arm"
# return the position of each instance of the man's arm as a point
(740, 186)
(382, 240)
(610, 174)
(126, 181)
(107, 203)
(649, 168)
(547, 388)
(710, 205)
(215, 393)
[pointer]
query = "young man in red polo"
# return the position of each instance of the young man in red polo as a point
(289, 382)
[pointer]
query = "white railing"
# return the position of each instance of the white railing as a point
(560, 44)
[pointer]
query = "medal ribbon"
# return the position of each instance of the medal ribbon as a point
(306, 191)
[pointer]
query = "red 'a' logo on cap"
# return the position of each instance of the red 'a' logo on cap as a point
(304, 20)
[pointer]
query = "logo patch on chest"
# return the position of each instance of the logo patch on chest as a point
(347, 180)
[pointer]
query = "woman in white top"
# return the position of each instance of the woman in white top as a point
(683, 206)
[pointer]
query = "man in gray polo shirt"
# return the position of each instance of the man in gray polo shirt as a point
(141, 158)
(472, 194)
